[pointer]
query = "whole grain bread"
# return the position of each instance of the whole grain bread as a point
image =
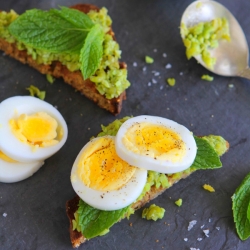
(75, 79)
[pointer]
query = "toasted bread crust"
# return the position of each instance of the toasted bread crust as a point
(75, 79)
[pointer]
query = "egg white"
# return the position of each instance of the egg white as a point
(10, 144)
(14, 172)
(149, 163)
(109, 200)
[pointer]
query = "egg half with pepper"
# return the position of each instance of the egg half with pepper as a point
(156, 143)
(102, 179)
(110, 172)
(31, 130)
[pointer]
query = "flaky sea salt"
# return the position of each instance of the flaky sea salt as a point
(135, 64)
(191, 224)
(164, 55)
(155, 50)
(156, 73)
(144, 68)
(206, 232)
(199, 239)
(149, 84)
(185, 239)
(168, 66)
(193, 248)
(202, 226)
(4, 214)
(154, 81)
(181, 73)
(218, 228)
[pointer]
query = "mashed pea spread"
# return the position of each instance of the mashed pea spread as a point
(153, 212)
(204, 36)
(110, 80)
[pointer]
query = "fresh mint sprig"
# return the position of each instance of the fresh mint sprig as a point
(62, 30)
(241, 208)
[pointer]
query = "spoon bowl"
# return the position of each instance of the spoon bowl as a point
(231, 56)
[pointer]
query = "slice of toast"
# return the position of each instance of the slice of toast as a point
(75, 78)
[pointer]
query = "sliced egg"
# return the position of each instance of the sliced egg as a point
(102, 179)
(156, 143)
(30, 129)
(12, 171)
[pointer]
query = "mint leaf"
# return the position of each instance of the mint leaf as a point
(206, 157)
(53, 31)
(241, 200)
(75, 17)
(94, 222)
(91, 52)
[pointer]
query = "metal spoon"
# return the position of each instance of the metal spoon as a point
(231, 57)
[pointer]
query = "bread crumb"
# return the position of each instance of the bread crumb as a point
(131, 224)
(157, 241)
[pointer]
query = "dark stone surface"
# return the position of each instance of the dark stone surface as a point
(35, 207)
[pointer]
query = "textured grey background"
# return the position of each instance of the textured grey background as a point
(35, 208)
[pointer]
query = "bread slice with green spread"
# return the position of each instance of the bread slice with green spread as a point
(76, 44)
(87, 222)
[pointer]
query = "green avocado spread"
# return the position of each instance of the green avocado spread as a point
(110, 79)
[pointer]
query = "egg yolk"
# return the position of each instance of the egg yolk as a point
(100, 168)
(4, 157)
(39, 129)
(156, 141)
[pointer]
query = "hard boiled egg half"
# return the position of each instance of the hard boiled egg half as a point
(156, 143)
(102, 179)
(110, 172)
(31, 130)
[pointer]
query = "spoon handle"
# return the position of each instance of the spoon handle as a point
(245, 73)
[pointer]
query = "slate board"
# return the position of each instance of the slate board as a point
(35, 208)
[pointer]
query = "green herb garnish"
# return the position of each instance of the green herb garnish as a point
(93, 222)
(206, 157)
(241, 208)
(65, 30)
